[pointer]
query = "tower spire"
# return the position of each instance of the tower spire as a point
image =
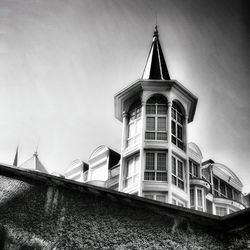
(15, 162)
(156, 68)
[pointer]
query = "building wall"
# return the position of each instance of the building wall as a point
(39, 211)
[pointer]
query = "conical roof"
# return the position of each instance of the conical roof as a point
(156, 68)
(34, 163)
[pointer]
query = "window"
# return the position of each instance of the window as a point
(221, 211)
(156, 196)
(134, 123)
(178, 202)
(216, 186)
(193, 169)
(192, 200)
(156, 119)
(199, 200)
(222, 189)
(156, 166)
(177, 126)
(177, 172)
(132, 169)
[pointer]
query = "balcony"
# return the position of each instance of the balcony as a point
(226, 201)
(195, 181)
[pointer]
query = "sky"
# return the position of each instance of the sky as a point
(62, 61)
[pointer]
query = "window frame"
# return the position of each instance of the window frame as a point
(156, 115)
(155, 169)
(134, 120)
(175, 174)
(192, 166)
(135, 173)
(177, 121)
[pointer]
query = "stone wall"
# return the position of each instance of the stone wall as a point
(39, 211)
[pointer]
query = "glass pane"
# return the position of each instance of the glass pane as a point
(196, 170)
(138, 112)
(150, 136)
(221, 211)
(162, 136)
(174, 180)
(180, 184)
(150, 109)
(173, 166)
(131, 129)
(161, 161)
(174, 201)
(179, 132)
(173, 129)
(149, 196)
(173, 113)
(180, 170)
(199, 196)
(149, 176)
(130, 168)
(222, 188)
(161, 198)
(180, 118)
(192, 197)
(173, 140)
(161, 176)
(161, 124)
(150, 124)
(138, 126)
(229, 193)
(150, 161)
(180, 144)
(137, 164)
(162, 109)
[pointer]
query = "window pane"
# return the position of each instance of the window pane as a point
(196, 171)
(150, 109)
(229, 193)
(161, 198)
(161, 124)
(130, 168)
(150, 136)
(162, 136)
(138, 126)
(173, 129)
(174, 180)
(174, 201)
(149, 196)
(180, 118)
(150, 161)
(173, 113)
(173, 166)
(179, 132)
(137, 164)
(180, 144)
(222, 188)
(131, 130)
(162, 109)
(173, 140)
(216, 183)
(150, 124)
(199, 196)
(180, 184)
(221, 211)
(149, 176)
(161, 161)
(161, 176)
(138, 112)
(180, 170)
(192, 197)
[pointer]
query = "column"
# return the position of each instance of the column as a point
(187, 161)
(169, 153)
(142, 158)
(123, 147)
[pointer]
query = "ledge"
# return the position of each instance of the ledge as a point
(200, 182)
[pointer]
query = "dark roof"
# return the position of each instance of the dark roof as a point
(155, 68)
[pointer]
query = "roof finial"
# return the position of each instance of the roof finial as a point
(156, 33)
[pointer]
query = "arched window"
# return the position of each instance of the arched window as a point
(177, 125)
(156, 118)
(134, 123)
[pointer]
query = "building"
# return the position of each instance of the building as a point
(156, 160)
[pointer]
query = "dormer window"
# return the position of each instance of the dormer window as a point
(177, 124)
(134, 124)
(193, 170)
(156, 118)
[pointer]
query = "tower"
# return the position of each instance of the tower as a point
(155, 112)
